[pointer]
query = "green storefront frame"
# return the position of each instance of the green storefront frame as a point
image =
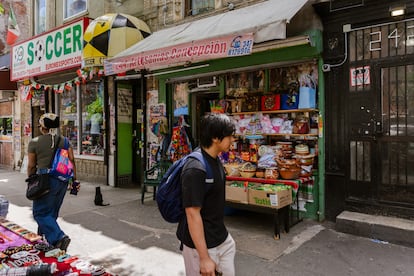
(276, 57)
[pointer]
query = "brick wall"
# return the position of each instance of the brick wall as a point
(91, 170)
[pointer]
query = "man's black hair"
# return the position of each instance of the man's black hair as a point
(215, 125)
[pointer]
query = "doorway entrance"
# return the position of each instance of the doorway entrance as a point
(200, 104)
(381, 138)
(130, 132)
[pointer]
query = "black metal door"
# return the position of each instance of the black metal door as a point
(381, 134)
(396, 142)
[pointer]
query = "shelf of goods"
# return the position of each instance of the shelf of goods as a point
(23, 252)
(305, 110)
(293, 123)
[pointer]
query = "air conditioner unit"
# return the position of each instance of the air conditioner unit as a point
(205, 82)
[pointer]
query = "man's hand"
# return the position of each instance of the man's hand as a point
(207, 267)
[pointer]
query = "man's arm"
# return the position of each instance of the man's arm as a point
(72, 159)
(31, 164)
(196, 228)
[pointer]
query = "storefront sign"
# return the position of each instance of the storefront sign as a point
(57, 50)
(199, 50)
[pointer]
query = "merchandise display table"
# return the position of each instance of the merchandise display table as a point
(23, 252)
(302, 189)
(302, 186)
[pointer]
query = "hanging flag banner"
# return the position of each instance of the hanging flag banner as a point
(13, 30)
(1, 9)
(195, 51)
(53, 51)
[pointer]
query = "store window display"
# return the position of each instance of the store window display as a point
(90, 128)
(69, 124)
(5, 128)
(92, 114)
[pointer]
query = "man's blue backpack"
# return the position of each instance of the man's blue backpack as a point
(169, 198)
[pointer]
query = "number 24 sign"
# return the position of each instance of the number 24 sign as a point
(394, 36)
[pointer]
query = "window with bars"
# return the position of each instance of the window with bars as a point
(360, 152)
(375, 42)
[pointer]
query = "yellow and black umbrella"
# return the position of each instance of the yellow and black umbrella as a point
(110, 34)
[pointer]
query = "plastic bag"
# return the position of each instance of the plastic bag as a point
(62, 167)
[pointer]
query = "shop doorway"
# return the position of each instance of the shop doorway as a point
(200, 104)
(381, 151)
(130, 132)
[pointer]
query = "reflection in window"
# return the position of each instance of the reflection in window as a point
(397, 101)
(90, 129)
(68, 115)
(200, 6)
(40, 16)
(6, 129)
(92, 116)
(74, 7)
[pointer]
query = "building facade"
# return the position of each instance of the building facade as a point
(368, 51)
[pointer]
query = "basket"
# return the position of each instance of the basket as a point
(232, 169)
(289, 173)
(247, 174)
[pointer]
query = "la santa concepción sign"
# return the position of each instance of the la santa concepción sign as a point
(54, 51)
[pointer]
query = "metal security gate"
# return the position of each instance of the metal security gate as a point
(396, 145)
(380, 121)
(381, 139)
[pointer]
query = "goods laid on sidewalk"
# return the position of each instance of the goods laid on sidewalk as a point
(23, 252)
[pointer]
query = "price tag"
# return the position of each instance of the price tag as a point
(274, 200)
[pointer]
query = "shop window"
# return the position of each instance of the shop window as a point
(90, 126)
(74, 7)
(195, 7)
(6, 128)
(68, 115)
(40, 16)
(92, 118)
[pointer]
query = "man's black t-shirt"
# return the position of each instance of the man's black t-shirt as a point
(195, 193)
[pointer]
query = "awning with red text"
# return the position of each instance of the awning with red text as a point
(227, 34)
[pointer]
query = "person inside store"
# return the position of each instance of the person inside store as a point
(46, 209)
(208, 248)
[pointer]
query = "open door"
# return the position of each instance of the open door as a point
(130, 131)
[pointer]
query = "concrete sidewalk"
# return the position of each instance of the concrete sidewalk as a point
(129, 238)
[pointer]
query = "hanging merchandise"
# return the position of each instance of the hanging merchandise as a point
(307, 91)
(290, 100)
(180, 144)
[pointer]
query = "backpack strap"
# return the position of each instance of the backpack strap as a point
(66, 143)
(54, 152)
(197, 154)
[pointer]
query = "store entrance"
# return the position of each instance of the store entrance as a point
(130, 132)
(382, 138)
(200, 103)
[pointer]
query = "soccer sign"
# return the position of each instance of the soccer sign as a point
(54, 51)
